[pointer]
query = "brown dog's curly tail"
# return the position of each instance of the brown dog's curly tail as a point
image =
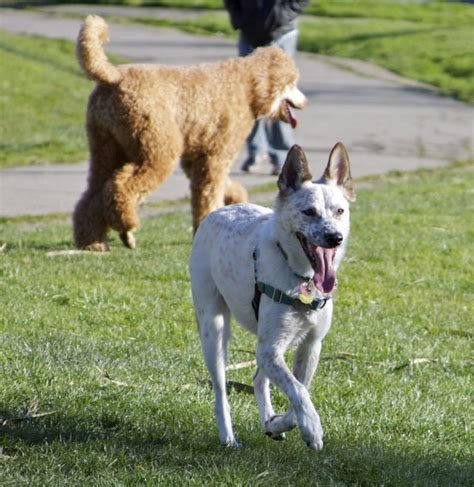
(90, 53)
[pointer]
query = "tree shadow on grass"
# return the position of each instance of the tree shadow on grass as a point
(172, 447)
(68, 430)
(60, 245)
(31, 3)
(388, 34)
(322, 45)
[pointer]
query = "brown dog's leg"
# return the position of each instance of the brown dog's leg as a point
(120, 201)
(208, 186)
(129, 185)
(89, 224)
(90, 229)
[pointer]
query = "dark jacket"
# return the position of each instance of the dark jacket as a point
(262, 21)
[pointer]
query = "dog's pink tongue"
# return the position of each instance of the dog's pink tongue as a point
(293, 120)
(325, 276)
(290, 115)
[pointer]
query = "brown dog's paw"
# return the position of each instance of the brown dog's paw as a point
(128, 240)
(96, 247)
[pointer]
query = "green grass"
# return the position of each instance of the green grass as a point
(108, 345)
(43, 102)
(438, 55)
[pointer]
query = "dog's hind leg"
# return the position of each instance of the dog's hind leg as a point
(89, 224)
(208, 184)
(214, 331)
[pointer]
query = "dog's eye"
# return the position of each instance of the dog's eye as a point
(339, 211)
(310, 212)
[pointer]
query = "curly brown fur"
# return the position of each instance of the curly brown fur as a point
(142, 119)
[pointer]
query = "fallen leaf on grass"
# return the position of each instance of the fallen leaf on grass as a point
(106, 375)
(230, 384)
(60, 253)
(391, 365)
(350, 357)
(239, 387)
(415, 361)
(38, 415)
(3, 456)
(242, 365)
(340, 356)
(241, 350)
(424, 360)
(25, 417)
(3, 247)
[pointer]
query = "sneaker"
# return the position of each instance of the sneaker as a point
(253, 164)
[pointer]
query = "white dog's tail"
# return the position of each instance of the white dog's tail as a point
(90, 53)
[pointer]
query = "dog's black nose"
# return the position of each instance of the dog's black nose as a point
(334, 239)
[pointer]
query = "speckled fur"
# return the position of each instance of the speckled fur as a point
(143, 119)
(222, 277)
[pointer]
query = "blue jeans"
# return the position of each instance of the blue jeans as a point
(271, 137)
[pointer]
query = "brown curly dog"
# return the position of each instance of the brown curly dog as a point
(142, 119)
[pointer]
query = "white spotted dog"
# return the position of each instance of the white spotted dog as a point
(275, 272)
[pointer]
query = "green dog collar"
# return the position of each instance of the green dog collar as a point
(279, 296)
(283, 298)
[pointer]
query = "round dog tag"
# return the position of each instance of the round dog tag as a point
(306, 293)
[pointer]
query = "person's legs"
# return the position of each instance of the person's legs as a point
(279, 134)
(280, 140)
(244, 47)
(257, 145)
(288, 42)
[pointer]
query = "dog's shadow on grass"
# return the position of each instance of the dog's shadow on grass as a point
(341, 461)
(38, 246)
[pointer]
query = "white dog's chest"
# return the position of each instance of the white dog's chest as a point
(292, 324)
(238, 254)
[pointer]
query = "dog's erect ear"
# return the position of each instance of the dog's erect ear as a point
(295, 171)
(338, 171)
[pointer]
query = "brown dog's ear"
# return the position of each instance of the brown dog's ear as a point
(338, 171)
(295, 171)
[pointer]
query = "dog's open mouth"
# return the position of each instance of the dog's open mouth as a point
(322, 262)
(287, 106)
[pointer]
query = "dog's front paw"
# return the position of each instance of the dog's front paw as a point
(128, 239)
(232, 444)
(311, 430)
